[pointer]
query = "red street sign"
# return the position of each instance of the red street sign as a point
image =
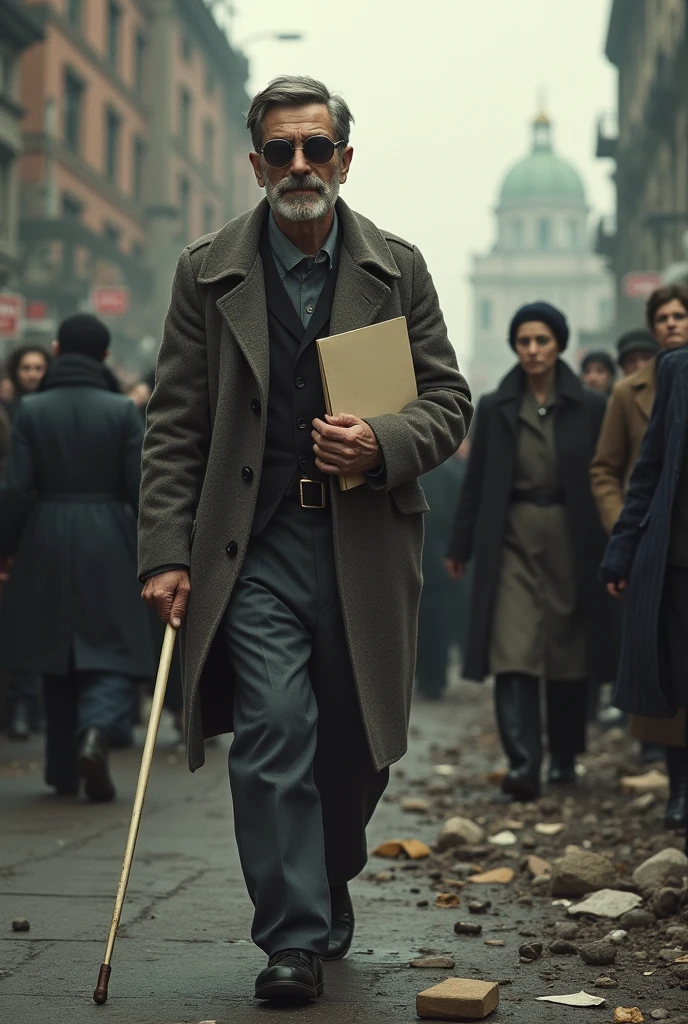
(11, 316)
(640, 284)
(110, 300)
(36, 310)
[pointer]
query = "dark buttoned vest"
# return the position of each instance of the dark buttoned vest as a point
(295, 394)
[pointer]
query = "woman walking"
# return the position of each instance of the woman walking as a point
(527, 520)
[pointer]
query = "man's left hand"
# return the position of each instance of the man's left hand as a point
(345, 446)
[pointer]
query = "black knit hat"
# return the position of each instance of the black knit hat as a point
(600, 356)
(546, 314)
(84, 333)
(635, 341)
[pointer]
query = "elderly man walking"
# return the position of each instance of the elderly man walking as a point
(301, 599)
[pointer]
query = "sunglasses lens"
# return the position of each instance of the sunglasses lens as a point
(318, 149)
(278, 152)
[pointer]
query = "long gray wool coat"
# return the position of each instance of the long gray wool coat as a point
(196, 509)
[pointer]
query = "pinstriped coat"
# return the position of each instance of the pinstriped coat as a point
(196, 510)
(638, 549)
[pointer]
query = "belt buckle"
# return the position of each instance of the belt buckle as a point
(312, 483)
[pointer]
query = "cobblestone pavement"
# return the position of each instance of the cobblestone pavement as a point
(183, 954)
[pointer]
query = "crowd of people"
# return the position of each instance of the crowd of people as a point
(549, 480)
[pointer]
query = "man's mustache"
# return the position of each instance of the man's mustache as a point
(292, 184)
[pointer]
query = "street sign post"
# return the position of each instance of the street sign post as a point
(110, 300)
(11, 316)
(640, 284)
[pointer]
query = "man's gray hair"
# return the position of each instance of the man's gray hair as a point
(298, 91)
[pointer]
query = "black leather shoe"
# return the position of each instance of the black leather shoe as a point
(342, 930)
(676, 815)
(292, 976)
(562, 770)
(93, 766)
(19, 727)
(521, 785)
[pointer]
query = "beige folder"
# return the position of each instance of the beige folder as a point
(368, 372)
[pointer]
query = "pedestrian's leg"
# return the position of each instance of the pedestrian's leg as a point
(106, 705)
(517, 708)
(23, 705)
(567, 719)
(60, 701)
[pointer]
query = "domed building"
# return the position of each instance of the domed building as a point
(542, 251)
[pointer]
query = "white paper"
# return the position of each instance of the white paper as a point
(576, 999)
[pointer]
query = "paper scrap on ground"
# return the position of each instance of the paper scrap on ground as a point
(652, 781)
(610, 903)
(414, 849)
(446, 900)
(576, 999)
(500, 876)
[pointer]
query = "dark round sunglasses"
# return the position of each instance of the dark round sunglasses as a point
(317, 149)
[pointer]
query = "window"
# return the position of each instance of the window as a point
(112, 127)
(184, 116)
(73, 103)
(5, 180)
(209, 147)
(208, 219)
(71, 206)
(112, 233)
(137, 169)
(184, 203)
(517, 233)
(485, 314)
(572, 237)
(544, 233)
(140, 52)
(74, 11)
(114, 17)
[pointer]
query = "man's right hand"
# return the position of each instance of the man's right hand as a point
(455, 570)
(168, 593)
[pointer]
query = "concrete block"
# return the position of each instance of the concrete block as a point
(458, 999)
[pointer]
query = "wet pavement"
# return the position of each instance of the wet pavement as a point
(183, 954)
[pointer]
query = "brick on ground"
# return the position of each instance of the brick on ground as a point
(458, 999)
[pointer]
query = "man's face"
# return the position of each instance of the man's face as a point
(670, 325)
(597, 377)
(31, 371)
(635, 361)
(302, 190)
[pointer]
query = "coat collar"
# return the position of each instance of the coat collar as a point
(567, 384)
(234, 249)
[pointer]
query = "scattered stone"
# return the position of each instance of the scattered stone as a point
(458, 997)
(494, 942)
(666, 902)
(579, 873)
(459, 831)
(628, 1015)
(446, 900)
(414, 849)
(644, 802)
(660, 1014)
(542, 881)
(548, 805)
(445, 963)
(618, 936)
(604, 981)
(467, 928)
(678, 933)
(562, 947)
(414, 805)
(637, 919)
(423, 903)
(610, 903)
(505, 838)
(20, 924)
(669, 955)
(537, 867)
(598, 954)
(499, 876)
(479, 906)
(514, 824)
(550, 828)
(530, 951)
(383, 876)
(566, 929)
(445, 770)
(666, 867)
(651, 782)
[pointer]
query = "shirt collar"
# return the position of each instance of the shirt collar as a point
(289, 255)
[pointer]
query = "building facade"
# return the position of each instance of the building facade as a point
(19, 30)
(648, 139)
(542, 251)
(133, 116)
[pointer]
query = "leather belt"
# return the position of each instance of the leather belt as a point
(543, 499)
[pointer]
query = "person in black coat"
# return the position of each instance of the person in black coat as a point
(72, 611)
(528, 522)
(646, 561)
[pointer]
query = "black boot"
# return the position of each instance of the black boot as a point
(517, 705)
(676, 815)
(562, 769)
(292, 976)
(93, 765)
(19, 727)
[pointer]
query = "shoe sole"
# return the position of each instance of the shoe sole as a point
(519, 790)
(289, 992)
(97, 781)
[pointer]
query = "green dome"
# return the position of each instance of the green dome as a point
(542, 174)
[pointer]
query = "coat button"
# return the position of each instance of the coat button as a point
(303, 461)
(232, 549)
(247, 474)
(302, 424)
(255, 406)
(300, 382)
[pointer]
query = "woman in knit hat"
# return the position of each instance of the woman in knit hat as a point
(527, 521)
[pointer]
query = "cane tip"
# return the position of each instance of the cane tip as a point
(101, 993)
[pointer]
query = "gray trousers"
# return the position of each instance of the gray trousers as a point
(303, 783)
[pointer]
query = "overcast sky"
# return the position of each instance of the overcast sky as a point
(443, 92)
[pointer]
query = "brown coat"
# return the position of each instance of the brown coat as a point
(197, 510)
(625, 423)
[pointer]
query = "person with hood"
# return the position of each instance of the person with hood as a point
(527, 520)
(71, 612)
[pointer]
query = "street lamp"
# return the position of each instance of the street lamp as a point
(277, 37)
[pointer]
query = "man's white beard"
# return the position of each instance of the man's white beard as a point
(311, 206)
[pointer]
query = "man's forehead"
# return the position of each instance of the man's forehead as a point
(672, 306)
(285, 122)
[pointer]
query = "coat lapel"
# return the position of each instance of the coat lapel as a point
(509, 395)
(644, 389)
(567, 422)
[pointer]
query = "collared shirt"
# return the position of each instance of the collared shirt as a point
(303, 277)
